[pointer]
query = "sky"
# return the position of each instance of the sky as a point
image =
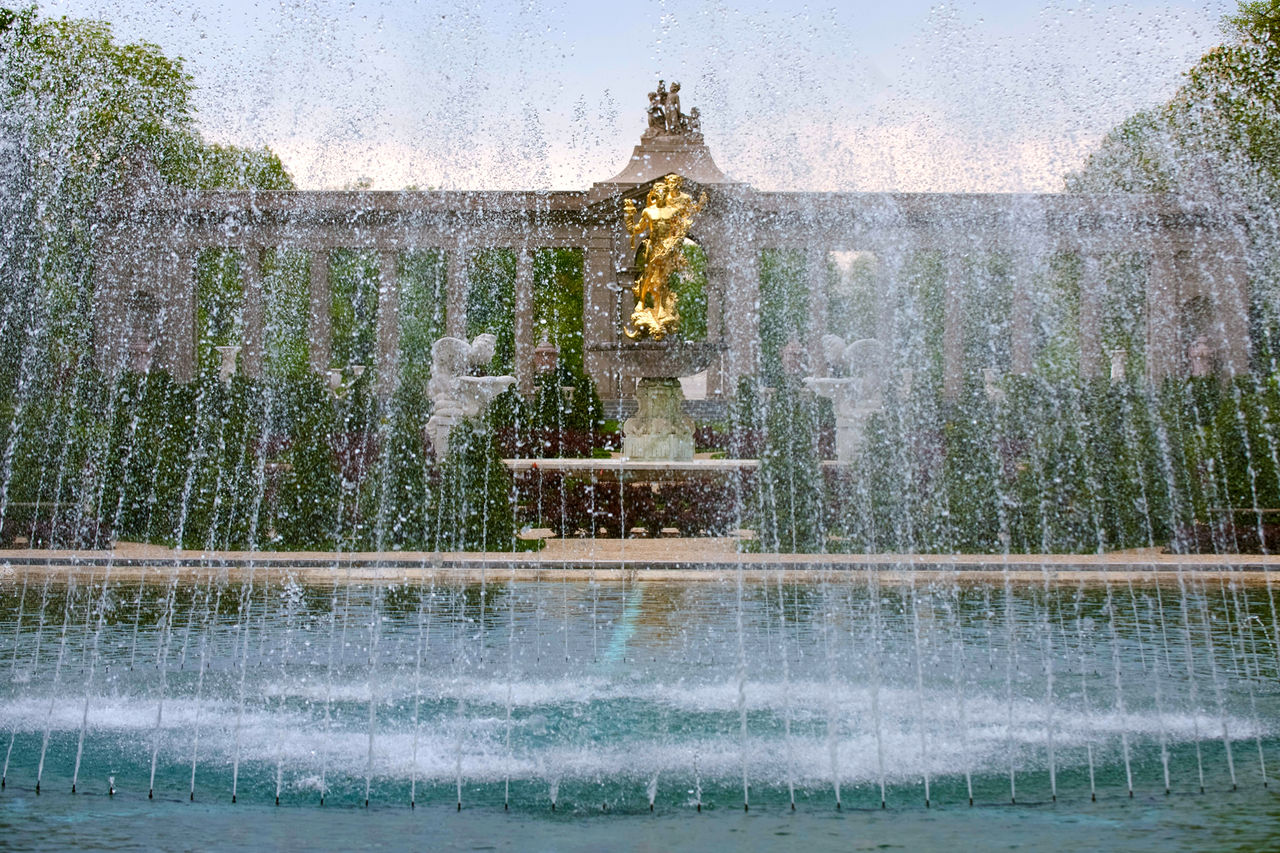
(911, 96)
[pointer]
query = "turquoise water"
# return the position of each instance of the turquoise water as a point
(1217, 821)
(606, 698)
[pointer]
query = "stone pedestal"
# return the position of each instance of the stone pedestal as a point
(659, 429)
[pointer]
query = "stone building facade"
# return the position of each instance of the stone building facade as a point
(1191, 260)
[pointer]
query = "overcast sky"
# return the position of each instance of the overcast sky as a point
(907, 95)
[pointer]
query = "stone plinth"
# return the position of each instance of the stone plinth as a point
(658, 154)
(659, 429)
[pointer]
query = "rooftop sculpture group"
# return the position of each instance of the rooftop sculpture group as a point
(665, 116)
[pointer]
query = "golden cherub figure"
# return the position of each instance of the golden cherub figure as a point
(666, 219)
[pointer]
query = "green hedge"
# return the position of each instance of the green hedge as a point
(287, 464)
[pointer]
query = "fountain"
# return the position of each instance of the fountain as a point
(660, 429)
(252, 581)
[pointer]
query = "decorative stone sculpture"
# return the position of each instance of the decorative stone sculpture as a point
(657, 116)
(454, 393)
(664, 116)
(546, 356)
(676, 121)
(1200, 354)
(856, 389)
(660, 430)
(338, 384)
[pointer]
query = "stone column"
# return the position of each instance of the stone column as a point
(717, 284)
(108, 306)
(319, 321)
(251, 357)
(815, 264)
(1027, 268)
(1164, 344)
(388, 329)
(716, 275)
(524, 333)
(1226, 281)
(1092, 282)
(742, 314)
(601, 322)
(154, 308)
(888, 278)
(181, 326)
(455, 318)
(953, 273)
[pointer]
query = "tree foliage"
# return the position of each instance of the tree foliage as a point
(474, 506)
(1219, 133)
(85, 119)
(787, 507)
(1217, 141)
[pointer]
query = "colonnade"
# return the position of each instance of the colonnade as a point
(145, 273)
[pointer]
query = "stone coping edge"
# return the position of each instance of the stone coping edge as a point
(1243, 567)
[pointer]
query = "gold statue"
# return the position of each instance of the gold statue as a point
(666, 218)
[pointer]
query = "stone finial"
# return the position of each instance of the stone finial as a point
(991, 385)
(1118, 357)
(545, 356)
(227, 364)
